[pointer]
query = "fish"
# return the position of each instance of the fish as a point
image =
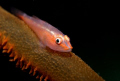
(48, 35)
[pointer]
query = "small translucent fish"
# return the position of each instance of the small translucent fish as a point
(48, 35)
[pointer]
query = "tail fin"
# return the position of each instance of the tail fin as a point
(17, 13)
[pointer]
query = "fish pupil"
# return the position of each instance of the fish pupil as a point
(57, 40)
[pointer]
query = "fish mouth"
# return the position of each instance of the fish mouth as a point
(68, 49)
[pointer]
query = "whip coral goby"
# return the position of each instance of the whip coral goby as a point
(22, 46)
(47, 34)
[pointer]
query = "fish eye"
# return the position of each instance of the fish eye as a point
(58, 40)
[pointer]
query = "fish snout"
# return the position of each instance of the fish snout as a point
(68, 48)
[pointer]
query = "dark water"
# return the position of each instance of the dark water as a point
(90, 27)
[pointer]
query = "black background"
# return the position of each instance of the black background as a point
(90, 26)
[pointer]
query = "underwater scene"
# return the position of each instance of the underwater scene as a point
(77, 42)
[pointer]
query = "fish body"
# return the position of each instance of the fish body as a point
(48, 35)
